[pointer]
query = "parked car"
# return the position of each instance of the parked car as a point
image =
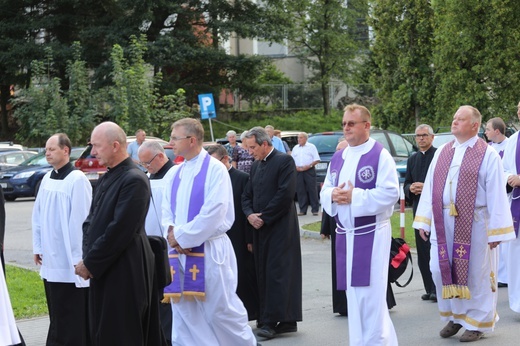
(89, 164)
(10, 146)
(24, 180)
(10, 159)
(326, 143)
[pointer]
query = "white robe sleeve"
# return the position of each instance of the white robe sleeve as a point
(385, 194)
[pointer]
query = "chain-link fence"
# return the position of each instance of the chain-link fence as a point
(292, 96)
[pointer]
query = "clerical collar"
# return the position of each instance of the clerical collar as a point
(162, 171)
(60, 174)
(265, 158)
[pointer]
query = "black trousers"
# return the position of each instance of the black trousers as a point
(307, 192)
(67, 314)
(423, 260)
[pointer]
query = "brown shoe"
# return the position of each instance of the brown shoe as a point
(450, 329)
(471, 335)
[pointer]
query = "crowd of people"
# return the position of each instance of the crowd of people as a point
(232, 230)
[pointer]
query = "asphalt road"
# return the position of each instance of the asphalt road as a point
(416, 322)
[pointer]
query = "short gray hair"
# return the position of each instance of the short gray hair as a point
(153, 146)
(260, 135)
(231, 133)
(425, 126)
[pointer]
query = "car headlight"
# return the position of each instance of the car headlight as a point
(23, 175)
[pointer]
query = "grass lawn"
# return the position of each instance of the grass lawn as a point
(26, 292)
(396, 231)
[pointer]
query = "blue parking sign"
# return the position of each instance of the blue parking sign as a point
(207, 106)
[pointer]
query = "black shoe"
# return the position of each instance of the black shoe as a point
(266, 332)
(302, 214)
(425, 296)
(286, 327)
(433, 297)
(501, 284)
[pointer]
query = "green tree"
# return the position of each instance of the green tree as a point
(42, 109)
(18, 31)
(402, 51)
(79, 98)
(476, 58)
(326, 35)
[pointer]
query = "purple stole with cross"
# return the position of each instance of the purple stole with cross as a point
(366, 177)
(515, 201)
(194, 269)
(455, 275)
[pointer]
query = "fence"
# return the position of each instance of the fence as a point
(291, 96)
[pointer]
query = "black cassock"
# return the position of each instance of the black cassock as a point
(270, 191)
(241, 233)
(123, 301)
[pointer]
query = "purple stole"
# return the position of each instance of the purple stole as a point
(515, 201)
(455, 276)
(364, 236)
(194, 269)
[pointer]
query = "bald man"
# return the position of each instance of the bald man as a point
(123, 302)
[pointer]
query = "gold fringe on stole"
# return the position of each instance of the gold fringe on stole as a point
(192, 295)
(168, 297)
(455, 291)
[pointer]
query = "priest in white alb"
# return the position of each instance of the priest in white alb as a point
(464, 209)
(360, 191)
(196, 216)
(511, 161)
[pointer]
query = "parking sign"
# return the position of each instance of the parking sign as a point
(207, 106)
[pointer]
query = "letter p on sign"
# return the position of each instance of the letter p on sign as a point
(207, 106)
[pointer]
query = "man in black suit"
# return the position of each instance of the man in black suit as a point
(416, 169)
(241, 236)
(268, 203)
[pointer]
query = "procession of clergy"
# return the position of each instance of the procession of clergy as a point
(462, 210)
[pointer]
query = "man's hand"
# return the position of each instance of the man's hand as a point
(325, 236)
(493, 244)
(38, 259)
(82, 271)
(174, 244)
(513, 180)
(250, 247)
(416, 188)
(341, 196)
(255, 220)
(424, 234)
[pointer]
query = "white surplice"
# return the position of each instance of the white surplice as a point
(222, 318)
(492, 222)
(503, 249)
(368, 317)
(57, 220)
(159, 188)
(8, 331)
(513, 270)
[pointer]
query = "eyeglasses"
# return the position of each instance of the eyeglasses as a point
(352, 123)
(179, 138)
(424, 135)
(146, 164)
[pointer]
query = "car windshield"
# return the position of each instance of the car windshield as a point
(40, 160)
(441, 139)
(325, 143)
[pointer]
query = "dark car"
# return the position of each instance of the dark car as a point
(326, 143)
(24, 180)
